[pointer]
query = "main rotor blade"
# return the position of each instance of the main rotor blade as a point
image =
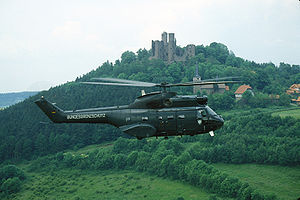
(125, 81)
(120, 84)
(131, 83)
(219, 79)
(200, 83)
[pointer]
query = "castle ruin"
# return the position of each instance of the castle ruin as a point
(168, 51)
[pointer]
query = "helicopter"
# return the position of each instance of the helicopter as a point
(161, 113)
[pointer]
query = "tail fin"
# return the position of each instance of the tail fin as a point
(54, 113)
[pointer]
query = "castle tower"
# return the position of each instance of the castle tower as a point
(190, 50)
(164, 38)
(171, 47)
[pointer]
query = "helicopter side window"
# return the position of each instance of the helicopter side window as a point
(181, 116)
(210, 111)
(170, 117)
(145, 118)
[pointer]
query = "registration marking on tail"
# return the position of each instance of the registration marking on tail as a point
(86, 116)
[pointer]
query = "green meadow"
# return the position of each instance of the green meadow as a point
(282, 181)
(86, 184)
(288, 113)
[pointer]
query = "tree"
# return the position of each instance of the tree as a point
(120, 161)
(10, 171)
(142, 161)
(121, 145)
(128, 57)
(131, 158)
(11, 185)
(168, 167)
(143, 54)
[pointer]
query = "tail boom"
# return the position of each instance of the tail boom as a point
(54, 113)
(57, 115)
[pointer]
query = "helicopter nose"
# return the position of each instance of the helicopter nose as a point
(218, 121)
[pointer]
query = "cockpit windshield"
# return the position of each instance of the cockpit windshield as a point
(210, 111)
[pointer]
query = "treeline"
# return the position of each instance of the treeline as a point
(23, 136)
(258, 138)
(164, 158)
(11, 178)
(227, 100)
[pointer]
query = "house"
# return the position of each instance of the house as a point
(294, 90)
(296, 101)
(241, 90)
(208, 89)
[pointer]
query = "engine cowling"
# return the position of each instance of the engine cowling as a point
(202, 100)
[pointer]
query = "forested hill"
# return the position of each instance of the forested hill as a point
(8, 99)
(22, 136)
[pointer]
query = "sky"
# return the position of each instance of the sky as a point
(48, 43)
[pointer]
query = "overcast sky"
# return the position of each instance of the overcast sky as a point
(45, 43)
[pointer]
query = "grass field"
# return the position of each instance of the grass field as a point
(86, 184)
(291, 113)
(78, 185)
(281, 181)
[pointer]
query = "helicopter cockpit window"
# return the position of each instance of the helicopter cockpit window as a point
(202, 113)
(145, 118)
(127, 119)
(210, 111)
(160, 117)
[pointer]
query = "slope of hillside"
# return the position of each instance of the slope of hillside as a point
(8, 99)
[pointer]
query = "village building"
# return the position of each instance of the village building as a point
(296, 101)
(241, 90)
(207, 89)
(294, 90)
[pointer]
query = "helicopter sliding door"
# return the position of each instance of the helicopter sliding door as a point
(167, 122)
(186, 122)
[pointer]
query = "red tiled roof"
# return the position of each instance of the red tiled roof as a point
(242, 89)
(298, 100)
(294, 86)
